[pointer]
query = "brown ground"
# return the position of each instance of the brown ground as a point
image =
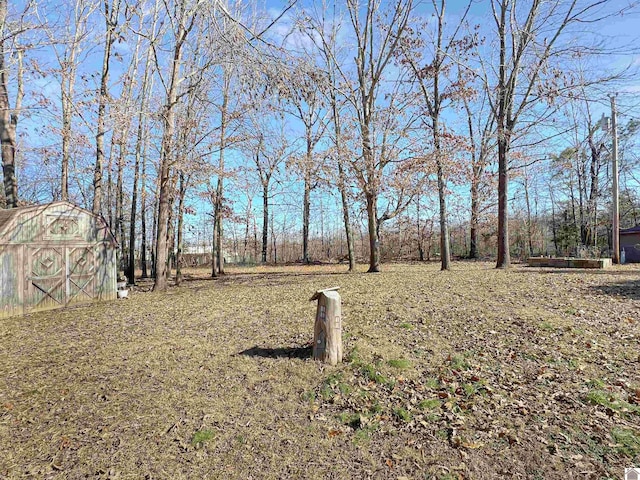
(473, 373)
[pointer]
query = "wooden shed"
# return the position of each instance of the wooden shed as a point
(52, 256)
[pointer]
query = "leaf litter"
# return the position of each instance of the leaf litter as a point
(472, 373)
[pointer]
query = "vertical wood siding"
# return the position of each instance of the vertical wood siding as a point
(55, 256)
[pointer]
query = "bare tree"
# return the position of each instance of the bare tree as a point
(68, 52)
(436, 92)
(183, 17)
(376, 46)
(324, 33)
(530, 38)
(481, 131)
(111, 16)
(302, 90)
(146, 86)
(8, 115)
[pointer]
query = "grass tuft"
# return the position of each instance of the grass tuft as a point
(201, 437)
(627, 441)
(370, 373)
(399, 363)
(402, 414)
(430, 404)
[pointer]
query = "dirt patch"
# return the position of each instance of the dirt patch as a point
(473, 373)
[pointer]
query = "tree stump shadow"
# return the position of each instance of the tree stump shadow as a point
(279, 352)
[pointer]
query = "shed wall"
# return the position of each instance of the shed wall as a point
(106, 272)
(11, 286)
(631, 245)
(54, 256)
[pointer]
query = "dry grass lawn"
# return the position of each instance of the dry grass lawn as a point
(473, 373)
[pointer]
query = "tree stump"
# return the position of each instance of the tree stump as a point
(327, 330)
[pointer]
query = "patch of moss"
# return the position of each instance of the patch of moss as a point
(370, 373)
(200, 437)
(610, 400)
(458, 362)
(363, 435)
(399, 363)
(430, 404)
(353, 356)
(432, 383)
(627, 441)
(402, 414)
(354, 420)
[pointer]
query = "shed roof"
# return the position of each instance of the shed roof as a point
(7, 215)
(630, 231)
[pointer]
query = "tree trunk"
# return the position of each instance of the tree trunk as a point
(120, 201)
(183, 188)
(502, 120)
(111, 17)
(68, 81)
(131, 267)
(554, 230)
(374, 241)
(342, 181)
(160, 283)
(219, 189)
(246, 232)
(255, 239)
(8, 120)
(214, 242)
(141, 156)
(592, 210)
(345, 217)
(445, 249)
(306, 207)
(274, 249)
(265, 220)
(475, 205)
(154, 230)
(504, 257)
(171, 235)
(143, 220)
(169, 120)
(219, 229)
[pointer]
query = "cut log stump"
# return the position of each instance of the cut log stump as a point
(327, 331)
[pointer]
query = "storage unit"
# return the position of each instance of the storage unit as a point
(630, 242)
(52, 256)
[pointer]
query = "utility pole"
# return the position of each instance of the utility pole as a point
(616, 204)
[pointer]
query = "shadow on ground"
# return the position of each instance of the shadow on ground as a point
(628, 289)
(273, 278)
(579, 271)
(281, 352)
